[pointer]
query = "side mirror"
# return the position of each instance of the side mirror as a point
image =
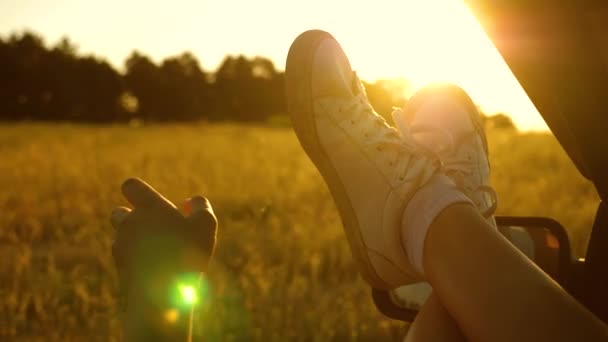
(543, 240)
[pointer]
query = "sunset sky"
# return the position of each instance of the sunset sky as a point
(421, 40)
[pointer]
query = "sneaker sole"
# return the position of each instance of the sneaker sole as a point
(300, 107)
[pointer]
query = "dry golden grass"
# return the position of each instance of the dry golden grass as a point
(282, 270)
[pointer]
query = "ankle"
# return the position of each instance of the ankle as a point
(424, 207)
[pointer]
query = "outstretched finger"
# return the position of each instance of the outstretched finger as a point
(142, 195)
(202, 223)
(198, 203)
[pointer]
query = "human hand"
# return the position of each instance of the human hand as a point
(160, 255)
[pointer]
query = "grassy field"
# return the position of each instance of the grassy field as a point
(282, 270)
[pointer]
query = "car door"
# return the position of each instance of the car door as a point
(558, 51)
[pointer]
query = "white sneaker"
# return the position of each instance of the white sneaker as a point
(371, 173)
(444, 119)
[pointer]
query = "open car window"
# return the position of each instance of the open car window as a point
(534, 176)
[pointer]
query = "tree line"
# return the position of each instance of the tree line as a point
(57, 83)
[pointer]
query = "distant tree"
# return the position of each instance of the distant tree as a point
(185, 88)
(233, 86)
(271, 86)
(82, 88)
(22, 60)
(500, 121)
(386, 94)
(8, 94)
(144, 81)
(99, 88)
(66, 47)
(39, 83)
(248, 90)
(176, 90)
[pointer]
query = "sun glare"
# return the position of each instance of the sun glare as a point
(428, 41)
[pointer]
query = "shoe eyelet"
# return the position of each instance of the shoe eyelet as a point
(401, 178)
(352, 122)
(379, 148)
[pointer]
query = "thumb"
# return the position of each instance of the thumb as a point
(118, 216)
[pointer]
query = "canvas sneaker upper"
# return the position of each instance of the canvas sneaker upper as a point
(460, 145)
(372, 171)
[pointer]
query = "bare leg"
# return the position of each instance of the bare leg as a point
(493, 291)
(434, 323)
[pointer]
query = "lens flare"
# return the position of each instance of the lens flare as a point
(171, 315)
(188, 290)
(188, 293)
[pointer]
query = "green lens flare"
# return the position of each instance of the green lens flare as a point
(189, 289)
(188, 293)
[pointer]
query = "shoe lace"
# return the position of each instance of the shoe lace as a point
(398, 150)
(456, 165)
